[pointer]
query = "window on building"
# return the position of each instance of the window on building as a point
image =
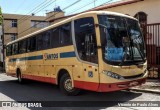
(13, 37)
(14, 23)
(141, 16)
(39, 24)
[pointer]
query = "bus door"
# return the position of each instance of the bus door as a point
(86, 45)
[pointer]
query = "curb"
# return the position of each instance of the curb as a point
(146, 90)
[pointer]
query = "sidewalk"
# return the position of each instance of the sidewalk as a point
(151, 86)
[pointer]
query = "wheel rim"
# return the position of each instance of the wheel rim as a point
(68, 85)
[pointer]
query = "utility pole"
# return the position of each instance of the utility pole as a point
(3, 45)
(2, 23)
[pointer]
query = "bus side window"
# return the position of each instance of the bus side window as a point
(8, 50)
(55, 40)
(65, 35)
(15, 49)
(46, 40)
(22, 46)
(31, 44)
(40, 42)
(86, 39)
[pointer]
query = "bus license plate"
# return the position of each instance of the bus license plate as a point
(133, 83)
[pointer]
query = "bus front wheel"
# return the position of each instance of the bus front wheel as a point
(66, 85)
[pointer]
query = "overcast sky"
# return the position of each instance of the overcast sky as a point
(40, 7)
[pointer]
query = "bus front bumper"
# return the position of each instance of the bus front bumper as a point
(103, 87)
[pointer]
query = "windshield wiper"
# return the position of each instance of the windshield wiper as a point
(101, 25)
(138, 49)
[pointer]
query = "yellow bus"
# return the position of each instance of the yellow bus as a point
(99, 51)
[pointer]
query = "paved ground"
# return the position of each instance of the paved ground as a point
(152, 86)
(11, 90)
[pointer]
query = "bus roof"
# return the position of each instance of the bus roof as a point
(70, 19)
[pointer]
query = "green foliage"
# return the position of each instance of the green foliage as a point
(1, 17)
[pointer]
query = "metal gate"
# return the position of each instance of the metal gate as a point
(153, 49)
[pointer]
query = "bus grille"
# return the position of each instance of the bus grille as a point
(135, 76)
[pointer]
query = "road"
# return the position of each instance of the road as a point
(11, 90)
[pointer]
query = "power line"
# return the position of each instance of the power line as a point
(71, 12)
(89, 4)
(52, 15)
(83, 6)
(25, 17)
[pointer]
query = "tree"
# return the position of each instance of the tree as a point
(1, 17)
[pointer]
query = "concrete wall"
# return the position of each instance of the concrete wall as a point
(23, 25)
(150, 7)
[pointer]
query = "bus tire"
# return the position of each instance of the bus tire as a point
(66, 86)
(19, 76)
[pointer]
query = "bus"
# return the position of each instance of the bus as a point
(98, 51)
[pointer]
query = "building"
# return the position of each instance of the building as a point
(16, 26)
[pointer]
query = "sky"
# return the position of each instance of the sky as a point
(40, 7)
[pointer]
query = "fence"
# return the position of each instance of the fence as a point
(153, 50)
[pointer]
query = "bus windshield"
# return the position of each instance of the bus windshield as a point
(121, 40)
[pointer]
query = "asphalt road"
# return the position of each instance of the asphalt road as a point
(11, 90)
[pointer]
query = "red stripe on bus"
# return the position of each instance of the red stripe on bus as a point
(40, 78)
(93, 86)
(107, 87)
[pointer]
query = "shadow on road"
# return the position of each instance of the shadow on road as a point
(37, 91)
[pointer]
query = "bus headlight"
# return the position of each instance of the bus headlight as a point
(113, 75)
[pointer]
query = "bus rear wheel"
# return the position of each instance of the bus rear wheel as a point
(66, 86)
(19, 76)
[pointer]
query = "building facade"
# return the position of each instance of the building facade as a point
(15, 26)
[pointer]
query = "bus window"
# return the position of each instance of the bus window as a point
(40, 42)
(31, 44)
(86, 39)
(65, 35)
(14, 48)
(55, 40)
(46, 40)
(22, 46)
(8, 50)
